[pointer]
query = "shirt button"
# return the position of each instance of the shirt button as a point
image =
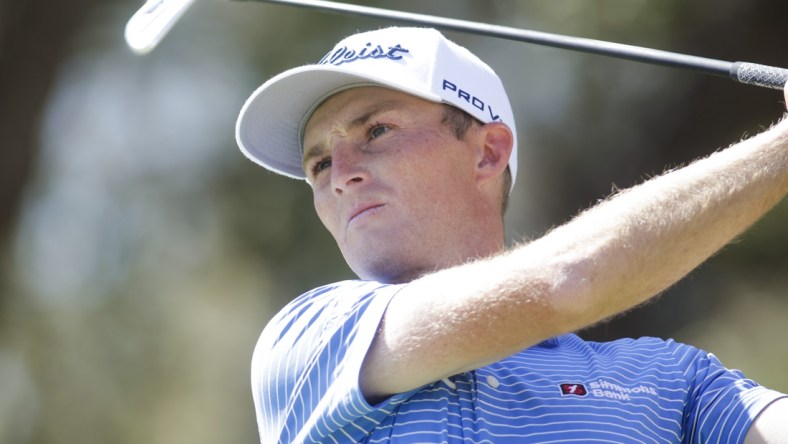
(449, 383)
(492, 381)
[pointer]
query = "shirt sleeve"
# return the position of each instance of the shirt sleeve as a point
(722, 403)
(307, 362)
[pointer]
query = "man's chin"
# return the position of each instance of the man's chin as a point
(386, 270)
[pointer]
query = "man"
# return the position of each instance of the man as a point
(409, 144)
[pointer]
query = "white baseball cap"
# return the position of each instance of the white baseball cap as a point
(417, 61)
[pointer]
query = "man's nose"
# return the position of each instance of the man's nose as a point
(348, 168)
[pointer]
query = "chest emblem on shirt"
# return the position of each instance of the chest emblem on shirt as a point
(573, 389)
(605, 389)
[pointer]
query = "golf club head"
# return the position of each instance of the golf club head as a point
(150, 24)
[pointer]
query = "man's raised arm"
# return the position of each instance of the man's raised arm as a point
(608, 259)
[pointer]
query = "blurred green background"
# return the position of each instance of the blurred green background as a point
(141, 254)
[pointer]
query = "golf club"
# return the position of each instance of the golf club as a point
(148, 26)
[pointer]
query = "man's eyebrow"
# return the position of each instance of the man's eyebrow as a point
(370, 113)
(313, 151)
(361, 120)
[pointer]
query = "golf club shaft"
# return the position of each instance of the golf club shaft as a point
(742, 72)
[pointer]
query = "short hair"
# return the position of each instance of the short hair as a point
(459, 122)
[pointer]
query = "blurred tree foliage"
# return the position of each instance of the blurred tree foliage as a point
(142, 254)
(34, 41)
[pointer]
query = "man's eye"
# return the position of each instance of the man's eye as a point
(378, 130)
(321, 165)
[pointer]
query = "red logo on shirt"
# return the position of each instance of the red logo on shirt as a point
(573, 389)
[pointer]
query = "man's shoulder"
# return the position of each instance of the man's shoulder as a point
(327, 305)
(342, 293)
(644, 346)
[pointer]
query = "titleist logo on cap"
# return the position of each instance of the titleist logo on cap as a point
(343, 54)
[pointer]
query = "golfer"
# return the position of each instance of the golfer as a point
(409, 144)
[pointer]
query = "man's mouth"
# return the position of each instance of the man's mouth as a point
(363, 212)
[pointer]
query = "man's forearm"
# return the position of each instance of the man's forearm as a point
(638, 243)
(627, 249)
(608, 259)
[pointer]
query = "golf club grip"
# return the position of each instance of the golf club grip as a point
(759, 75)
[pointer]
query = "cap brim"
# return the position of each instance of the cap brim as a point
(269, 124)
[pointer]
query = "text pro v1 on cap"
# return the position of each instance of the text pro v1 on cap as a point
(417, 61)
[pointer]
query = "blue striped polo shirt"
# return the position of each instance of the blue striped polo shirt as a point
(306, 365)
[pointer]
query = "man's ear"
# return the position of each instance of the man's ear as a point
(495, 143)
